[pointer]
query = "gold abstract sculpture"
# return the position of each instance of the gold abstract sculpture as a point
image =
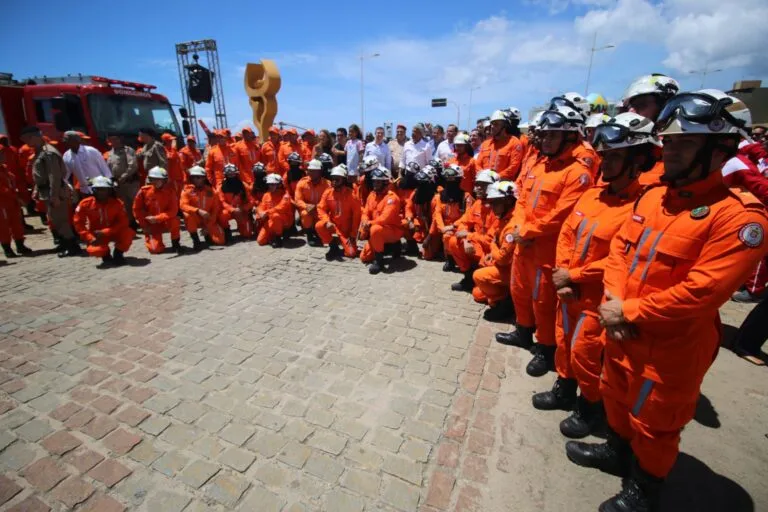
(262, 82)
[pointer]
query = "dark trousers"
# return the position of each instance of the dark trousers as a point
(753, 333)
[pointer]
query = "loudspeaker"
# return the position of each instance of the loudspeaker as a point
(200, 81)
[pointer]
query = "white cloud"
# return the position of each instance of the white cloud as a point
(627, 20)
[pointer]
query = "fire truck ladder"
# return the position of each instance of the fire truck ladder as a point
(188, 55)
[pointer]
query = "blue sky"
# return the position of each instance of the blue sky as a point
(517, 53)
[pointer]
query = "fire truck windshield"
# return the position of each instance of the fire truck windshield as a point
(126, 115)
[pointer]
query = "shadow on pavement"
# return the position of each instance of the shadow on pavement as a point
(400, 265)
(706, 414)
(294, 243)
(692, 485)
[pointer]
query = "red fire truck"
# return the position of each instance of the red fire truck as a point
(93, 105)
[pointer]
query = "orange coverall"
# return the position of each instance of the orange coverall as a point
(204, 198)
(248, 153)
(279, 209)
(674, 262)
(219, 156)
(589, 157)
(244, 219)
(176, 174)
(164, 206)
(653, 177)
(420, 214)
(382, 212)
(548, 193)
(189, 158)
(269, 157)
(444, 214)
(492, 280)
(504, 157)
(18, 170)
(309, 193)
(286, 148)
(11, 223)
(108, 217)
(582, 247)
(477, 221)
(343, 209)
(468, 164)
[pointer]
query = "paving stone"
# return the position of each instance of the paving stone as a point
(416, 450)
(8, 489)
(16, 456)
(197, 473)
(187, 412)
(339, 501)
(319, 417)
(400, 494)
(180, 435)
(60, 443)
(352, 428)
(262, 500)
(406, 469)
(387, 440)
(63, 412)
(44, 474)
(208, 447)
(102, 503)
(267, 444)
(168, 501)
(226, 488)
(236, 434)
(45, 403)
(327, 442)
(155, 425)
(364, 457)
(83, 459)
(109, 472)
(105, 404)
(294, 454)
(31, 504)
(272, 475)
(6, 438)
(170, 463)
(73, 491)
(237, 458)
(161, 403)
(132, 415)
(34, 430)
(145, 453)
(324, 467)
(121, 441)
(213, 421)
(298, 430)
(99, 427)
(361, 482)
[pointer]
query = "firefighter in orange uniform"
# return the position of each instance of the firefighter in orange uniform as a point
(381, 222)
(502, 152)
(309, 190)
(270, 150)
(471, 241)
(18, 169)
(248, 153)
(274, 213)
(200, 206)
(236, 203)
(548, 193)
(308, 141)
(448, 206)
(339, 214)
(685, 248)
(627, 146)
(218, 156)
(465, 159)
(101, 219)
(156, 209)
(492, 278)
(294, 174)
(190, 156)
(417, 214)
(290, 145)
(11, 222)
(176, 175)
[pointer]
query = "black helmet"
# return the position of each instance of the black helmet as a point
(294, 158)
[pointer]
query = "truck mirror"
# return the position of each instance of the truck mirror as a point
(183, 112)
(185, 127)
(61, 121)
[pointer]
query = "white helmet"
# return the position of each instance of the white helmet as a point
(412, 168)
(595, 120)
(515, 113)
(498, 115)
(430, 171)
(453, 171)
(381, 174)
(273, 179)
(231, 170)
(562, 118)
(315, 165)
(625, 130)
(709, 111)
(487, 176)
(573, 100)
(196, 170)
(369, 163)
(339, 171)
(501, 190)
(157, 173)
(101, 182)
(656, 83)
(461, 138)
(536, 120)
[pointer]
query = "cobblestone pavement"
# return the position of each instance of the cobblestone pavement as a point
(266, 380)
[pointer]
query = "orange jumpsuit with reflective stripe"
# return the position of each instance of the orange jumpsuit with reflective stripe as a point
(547, 195)
(420, 214)
(189, 158)
(477, 221)
(503, 156)
(164, 206)
(444, 214)
(231, 202)
(269, 157)
(309, 193)
(674, 262)
(108, 217)
(382, 212)
(248, 153)
(17, 168)
(343, 209)
(286, 148)
(492, 281)
(11, 223)
(582, 248)
(219, 156)
(194, 199)
(589, 157)
(468, 164)
(278, 207)
(652, 177)
(176, 175)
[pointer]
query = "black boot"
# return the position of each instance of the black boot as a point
(313, 240)
(586, 419)
(28, 227)
(134, 225)
(377, 265)
(9, 251)
(562, 396)
(197, 245)
(502, 311)
(208, 240)
(106, 260)
(521, 337)
(395, 249)
(543, 360)
(32, 209)
(333, 250)
(70, 247)
(612, 457)
(466, 284)
(177, 247)
(277, 242)
(412, 248)
(449, 265)
(118, 259)
(640, 492)
(228, 236)
(21, 248)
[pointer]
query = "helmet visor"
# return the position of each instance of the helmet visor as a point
(696, 108)
(610, 134)
(552, 119)
(560, 101)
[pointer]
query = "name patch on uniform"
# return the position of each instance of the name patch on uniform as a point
(530, 176)
(638, 218)
(584, 179)
(580, 214)
(700, 212)
(752, 235)
(509, 238)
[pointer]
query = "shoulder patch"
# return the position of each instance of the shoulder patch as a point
(519, 147)
(638, 218)
(509, 238)
(752, 235)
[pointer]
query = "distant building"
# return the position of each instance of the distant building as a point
(755, 96)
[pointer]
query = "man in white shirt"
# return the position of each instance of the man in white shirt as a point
(417, 149)
(85, 162)
(379, 149)
(444, 150)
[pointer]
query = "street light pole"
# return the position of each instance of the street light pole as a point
(362, 93)
(704, 72)
(458, 114)
(469, 109)
(591, 58)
